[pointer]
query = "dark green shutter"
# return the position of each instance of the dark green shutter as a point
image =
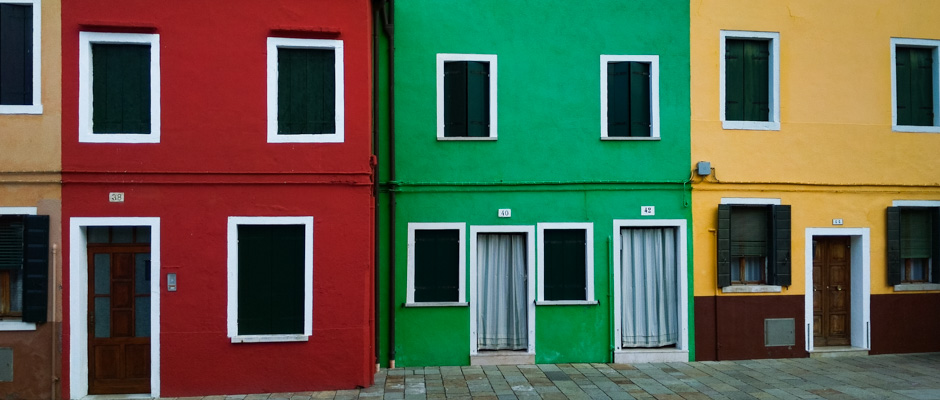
(121, 88)
(779, 263)
(36, 268)
(747, 80)
(306, 91)
(724, 245)
(935, 245)
(437, 266)
(565, 275)
(734, 80)
(750, 233)
(270, 279)
(640, 99)
(12, 233)
(914, 86)
(628, 99)
(915, 232)
(466, 99)
(894, 262)
(16, 54)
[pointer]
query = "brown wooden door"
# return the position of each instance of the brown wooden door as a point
(118, 319)
(831, 291)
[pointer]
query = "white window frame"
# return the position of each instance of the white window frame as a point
(85, 93)
(233, 223)
(275, 43)
(487, 58)
(588, 229)
(653, 60)
(36, 106)
(529, 231)
(751, 288)
(934, 45)
(774, 98)
(461, 229)
(13, 324)
(926, 286)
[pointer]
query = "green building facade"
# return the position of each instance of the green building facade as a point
(533, 169)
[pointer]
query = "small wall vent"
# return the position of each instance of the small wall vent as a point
(779, 332)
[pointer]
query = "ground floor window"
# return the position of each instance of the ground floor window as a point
(24, 267)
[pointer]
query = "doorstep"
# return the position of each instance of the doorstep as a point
(837, 351)
(502, 358)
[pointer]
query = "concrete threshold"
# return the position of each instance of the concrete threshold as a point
(837, 351)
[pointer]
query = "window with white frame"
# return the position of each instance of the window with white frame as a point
(913, 242)
(629, 97)
(305, 91)
(270, 287)
(119, 88)
(466, 96)
(566, 262)
(20, 63)
(915, 92)
(753, 243)
(436, 264)
(24, 267)
(750, 80)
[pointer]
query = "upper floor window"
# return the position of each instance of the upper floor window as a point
(753, 244)
(119, 88)
(750, 80)
(19, 57)
(913, 245)
(914, 94)
(629, 97)
(466, 96)
(305, 91)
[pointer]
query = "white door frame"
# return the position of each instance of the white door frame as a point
(529, 231)
(860, 276)
(78, 300)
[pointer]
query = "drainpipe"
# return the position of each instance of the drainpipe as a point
(375, 190)
(386, 10)
(54, 290)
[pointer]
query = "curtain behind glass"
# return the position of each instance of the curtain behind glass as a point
(501, 269)
(649, 287)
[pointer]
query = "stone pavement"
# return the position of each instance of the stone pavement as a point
(909, 376)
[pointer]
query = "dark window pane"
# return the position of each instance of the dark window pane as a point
(914, 85)
(437, 265)
(747, 80)
(16, 54)
(306, 91)
(565, 273)
(466, 99)
(270, 279)
(916, 232)
(749, 231)
(120, 88)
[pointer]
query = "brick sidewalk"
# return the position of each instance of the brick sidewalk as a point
(913, 376)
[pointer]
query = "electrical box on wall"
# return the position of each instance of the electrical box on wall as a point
(703, 168)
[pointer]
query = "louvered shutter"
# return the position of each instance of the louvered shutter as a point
(893, 233)
(734, 80)
(935, 245)
(121, 88)
(16, 54)
(270, 279)
(756, 80)
(36, 268)
(778, 263)
(724, 245)
(639, 99)
(437, 266)
(565, 275)
(306, 91)
(922, 89)
(618, 99)
(478, 99)
(455, 99)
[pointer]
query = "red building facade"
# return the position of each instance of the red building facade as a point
(217, 197)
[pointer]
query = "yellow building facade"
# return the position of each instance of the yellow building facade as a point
(30, 190)
(821, 152)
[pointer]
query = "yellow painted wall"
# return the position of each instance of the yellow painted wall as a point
(835, 155)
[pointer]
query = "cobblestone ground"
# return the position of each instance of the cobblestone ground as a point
(914, 376)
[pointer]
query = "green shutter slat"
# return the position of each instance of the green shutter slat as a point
(915, 232)
(12, 234)
(935, 245)
(893, 233)
(306, 91)
(36, 268)
(756, 80)
(455, 99)
(639, 99)
(902, 58)
(750, 231)
(734, 80)
(724, 245)
(779, 266)
(478, 99)
(437, 266)
(921, 86)
(121, 88)
(270, 279)
(564, 264)
(618, 99)
(16, 54)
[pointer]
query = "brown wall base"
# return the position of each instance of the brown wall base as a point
(905, 323)
(732, 327)
(32, 363)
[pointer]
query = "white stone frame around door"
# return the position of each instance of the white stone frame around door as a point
(78, 300)
(529, 231)
(860, 254)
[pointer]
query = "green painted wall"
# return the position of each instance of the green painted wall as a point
(548, 164)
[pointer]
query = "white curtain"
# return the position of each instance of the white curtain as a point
(501, 270)
(649, 287)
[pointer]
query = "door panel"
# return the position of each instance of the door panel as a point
(831, 291)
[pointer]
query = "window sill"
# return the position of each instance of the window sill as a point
(465, 139)
(917, 287)
(629, 139)
(437, 304)
(915, 129)
(17, 326)
(306, 138)
(28, 110)
(751, 289)
(88, 137)
(751, 125)
(567, 303)
(269, 338)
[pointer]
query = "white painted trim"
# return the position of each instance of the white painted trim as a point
(18, 210)
(275, 43)
(15, 324)
(681, 226)
(750, 201)
(232, 314)
(461, 229)
(78, 299)
(917, 287)
(432, 304)
(588, 228)
(774, 100)
(923, 43)
(85, 92)
(653, 60)
(268, 338)
(860, 254)
(36, 106)
(752, 289)
(916, 203)
(567, 303)
(488, 58)
(529, 231)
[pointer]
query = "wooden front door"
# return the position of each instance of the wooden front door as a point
(831, 291)
(118, 318)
